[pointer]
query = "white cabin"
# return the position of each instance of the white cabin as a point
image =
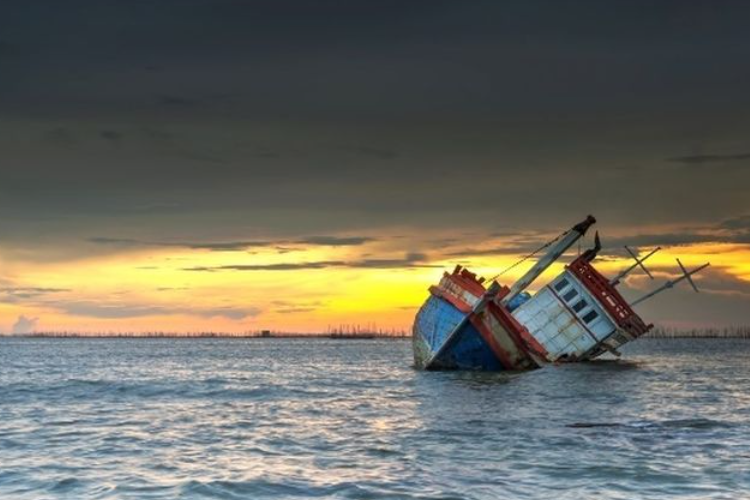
(565, 318)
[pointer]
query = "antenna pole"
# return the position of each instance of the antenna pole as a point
(669, 284)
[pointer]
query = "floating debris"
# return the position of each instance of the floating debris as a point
(577, 316)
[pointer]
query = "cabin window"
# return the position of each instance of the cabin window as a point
(561, 284)
(579, 305)
(570, 295)
(590, 316)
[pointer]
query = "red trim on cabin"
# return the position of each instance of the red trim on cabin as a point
(607, 296)
(497, 349)
(459, 304)
(518, 333)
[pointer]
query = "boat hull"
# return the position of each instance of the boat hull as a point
(447, 336)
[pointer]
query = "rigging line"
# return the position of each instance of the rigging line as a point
(527, 257)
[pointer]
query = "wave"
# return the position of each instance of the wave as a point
(690, 423)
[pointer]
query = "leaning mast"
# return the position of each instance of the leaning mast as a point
(568, 240)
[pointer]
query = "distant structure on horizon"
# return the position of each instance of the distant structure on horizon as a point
(340, 332)
(357, 332)
(729, 332)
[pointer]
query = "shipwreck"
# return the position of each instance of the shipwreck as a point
(467, 324)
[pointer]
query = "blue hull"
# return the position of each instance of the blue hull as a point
(465, 350)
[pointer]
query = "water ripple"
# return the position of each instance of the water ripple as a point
(162, 419)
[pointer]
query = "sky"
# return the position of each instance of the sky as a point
(227, 165)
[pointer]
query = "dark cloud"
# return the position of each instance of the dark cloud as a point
(295, 310)
(34, 290)
(735, 230)
(155, 207)
(282, 250)
(111, 136)
(367, 151)
(661, 239)
(8, 49)
(21, 294)
(120, 311)
(220, 246)
(505, 249)
(288, 307)
(741, 223)
(172, 100)
(513, 243)
(326, 58)
(202, 156)
(409, 260)
(122, 242)
(713, 158)
(676, 239)
(334, 241)
(284, 266)
(59, 137)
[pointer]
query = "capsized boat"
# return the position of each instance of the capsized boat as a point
(579, 315)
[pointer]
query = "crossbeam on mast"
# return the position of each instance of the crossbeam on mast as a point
(638, 263)
(686, 275)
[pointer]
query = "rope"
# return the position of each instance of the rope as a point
(527, 257)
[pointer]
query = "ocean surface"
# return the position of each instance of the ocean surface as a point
(273, 418)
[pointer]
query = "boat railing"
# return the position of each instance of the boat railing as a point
(607, 296)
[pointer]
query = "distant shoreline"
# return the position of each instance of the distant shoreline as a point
(329, 336)
(733, 332)
(738, 332)
(313, 336)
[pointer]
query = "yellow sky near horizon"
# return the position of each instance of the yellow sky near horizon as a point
(297, 289)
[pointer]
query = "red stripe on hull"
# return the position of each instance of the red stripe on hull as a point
(455, 301)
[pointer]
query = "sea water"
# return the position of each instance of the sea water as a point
(274, 418)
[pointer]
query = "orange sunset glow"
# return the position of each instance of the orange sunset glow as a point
(301, 288)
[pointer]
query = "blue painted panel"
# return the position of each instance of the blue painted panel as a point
(517, 301)
(467, 350)
(436, 320)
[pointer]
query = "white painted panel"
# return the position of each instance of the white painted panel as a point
(553, 323)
